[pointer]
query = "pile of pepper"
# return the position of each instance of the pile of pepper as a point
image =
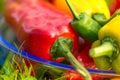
(44, 31)
(106, 49)
(104, 33)
(48, 32)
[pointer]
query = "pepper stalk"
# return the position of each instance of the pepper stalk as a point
(84, 25)
(105, 49)
(102, 20)
(62, 48)
(109, 37)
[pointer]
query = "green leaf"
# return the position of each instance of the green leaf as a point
(4, 77)
(12, 70)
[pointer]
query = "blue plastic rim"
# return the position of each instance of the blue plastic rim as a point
(10, 47)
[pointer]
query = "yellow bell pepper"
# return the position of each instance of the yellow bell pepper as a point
(109, 48)
(88, 6)
(111, 29)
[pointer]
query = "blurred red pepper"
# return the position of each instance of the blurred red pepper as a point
(113, 5)
(84, 58)
(72, 75)
(37, 25)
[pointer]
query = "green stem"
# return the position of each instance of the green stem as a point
(72, 9)
(105, 49)
(77, 65)
(79, 68)
(100, 18)
(117, 12)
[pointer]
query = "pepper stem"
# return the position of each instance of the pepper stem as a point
(72, 9)
(117, 12)
(77, 65)
(105, 49)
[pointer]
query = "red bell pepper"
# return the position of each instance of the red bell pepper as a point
(113, 5)
(37, 25)
(84, 58)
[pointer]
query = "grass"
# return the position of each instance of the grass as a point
(12, 70)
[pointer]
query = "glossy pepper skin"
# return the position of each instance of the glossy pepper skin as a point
(84, 58)
(109, 45)
(88, 6)
(37, 25)
(84, 25)
(113, 5)
(45, 31)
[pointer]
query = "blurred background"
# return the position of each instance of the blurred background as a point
(8, 34)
